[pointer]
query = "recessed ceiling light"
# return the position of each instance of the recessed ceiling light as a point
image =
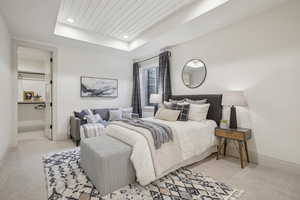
(125, 36)
(70, 20)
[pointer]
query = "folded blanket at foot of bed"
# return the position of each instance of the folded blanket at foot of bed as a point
(161, 133)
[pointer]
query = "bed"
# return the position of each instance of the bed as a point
(193, 141)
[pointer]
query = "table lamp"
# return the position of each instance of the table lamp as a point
(155, 99)
(233, 98)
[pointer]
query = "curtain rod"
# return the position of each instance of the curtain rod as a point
(148, 59)
(151, 58)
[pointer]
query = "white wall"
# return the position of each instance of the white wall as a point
(261, 56)
(5, 88)
(74, 62)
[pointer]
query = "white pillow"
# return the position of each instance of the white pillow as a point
(198, 112)
(92, 119)
(126, 112)
(166, 104)
(115, 115)
(88, 111)
(167, 114)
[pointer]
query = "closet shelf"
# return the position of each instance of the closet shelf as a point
(27, 72)
(31, 102)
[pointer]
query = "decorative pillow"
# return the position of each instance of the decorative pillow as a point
(93, 130)
(88, 111)
(184, 109)
(176, 101)
(198, 112)
(167, 114)
(92, 119)
(115, 115)
(81, 115)
(103, 112)
(166, 104)
(202, 101)
(126, 112)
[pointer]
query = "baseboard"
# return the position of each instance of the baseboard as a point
(266, 161)
(275, 163)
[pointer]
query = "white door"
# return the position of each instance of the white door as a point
(48, 99)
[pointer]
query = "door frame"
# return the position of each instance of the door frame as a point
(36, 45)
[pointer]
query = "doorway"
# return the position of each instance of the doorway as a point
(34, 90)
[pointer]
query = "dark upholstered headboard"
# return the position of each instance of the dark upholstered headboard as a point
(215, 100)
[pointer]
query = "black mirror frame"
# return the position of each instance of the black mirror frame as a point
(201, 81)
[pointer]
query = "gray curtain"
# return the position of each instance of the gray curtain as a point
(136, 93)
(164, 75)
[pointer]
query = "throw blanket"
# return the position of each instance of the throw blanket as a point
(150, 163)
(93, 130)
(161, 133)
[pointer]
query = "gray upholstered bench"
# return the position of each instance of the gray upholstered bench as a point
(106, 161)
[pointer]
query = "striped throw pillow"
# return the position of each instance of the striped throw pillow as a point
(184, 109)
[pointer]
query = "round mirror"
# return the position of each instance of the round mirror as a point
(194, 73)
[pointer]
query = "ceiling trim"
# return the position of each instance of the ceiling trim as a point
(93, 38)
(176, 20)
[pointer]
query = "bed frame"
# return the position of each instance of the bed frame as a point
(215, 101)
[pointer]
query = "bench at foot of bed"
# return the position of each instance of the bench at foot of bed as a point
(106, 161)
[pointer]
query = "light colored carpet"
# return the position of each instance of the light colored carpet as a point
(22, 175)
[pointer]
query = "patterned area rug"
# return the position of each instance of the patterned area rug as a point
(67, 181)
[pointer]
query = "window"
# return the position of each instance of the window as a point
(150, 82)
(152, 85)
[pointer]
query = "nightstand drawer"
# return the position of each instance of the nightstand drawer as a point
(229, 134)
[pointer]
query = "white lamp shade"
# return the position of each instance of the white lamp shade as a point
(234, 98)
(155, 98)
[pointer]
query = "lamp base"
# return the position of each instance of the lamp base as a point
(233, 122)
(155, 109)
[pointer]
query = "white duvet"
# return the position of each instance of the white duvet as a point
(194, 138)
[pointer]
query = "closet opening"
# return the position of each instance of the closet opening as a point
(34, 105)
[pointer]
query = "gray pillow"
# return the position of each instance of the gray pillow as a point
(115, 115)
(81, 115)
(103, 112)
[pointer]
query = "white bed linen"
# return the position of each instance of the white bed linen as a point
(194, 138)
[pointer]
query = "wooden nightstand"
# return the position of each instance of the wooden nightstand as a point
(240, 135)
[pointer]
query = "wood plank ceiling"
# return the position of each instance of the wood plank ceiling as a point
(117, 18)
